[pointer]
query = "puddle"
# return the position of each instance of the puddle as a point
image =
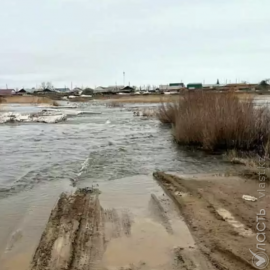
(156, 225)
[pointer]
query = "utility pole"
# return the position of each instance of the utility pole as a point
(124, 79)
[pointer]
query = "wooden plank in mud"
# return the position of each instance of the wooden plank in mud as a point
(73, 238)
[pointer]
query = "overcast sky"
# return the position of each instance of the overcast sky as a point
(91, 42)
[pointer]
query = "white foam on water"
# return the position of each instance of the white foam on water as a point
(42, 117)
(72, 112)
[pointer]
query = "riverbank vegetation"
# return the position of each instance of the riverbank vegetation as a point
(28, 100)
(139, 98)
(213, 121)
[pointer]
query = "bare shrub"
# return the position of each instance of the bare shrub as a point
(146, 112)
(114, 104)
(217, 121)
(55, 103)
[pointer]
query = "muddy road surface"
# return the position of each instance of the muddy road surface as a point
(223, 224)
(81, 234)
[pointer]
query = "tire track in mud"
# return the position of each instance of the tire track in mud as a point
(77, 232)
(221, 241)
(81, 235)
(74, 236)
(160, 213)
(117, 223)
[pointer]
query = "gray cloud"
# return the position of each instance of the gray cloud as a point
(93, 42)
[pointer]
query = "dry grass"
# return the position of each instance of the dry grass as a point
(146, 112)
(80, 99)
(114, 104)
(29, 100)
(215, 121)
(142, 98)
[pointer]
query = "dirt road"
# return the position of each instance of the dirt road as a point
(222, 223)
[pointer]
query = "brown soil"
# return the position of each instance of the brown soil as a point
(222, 223)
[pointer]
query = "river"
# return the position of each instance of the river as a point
(39, 161)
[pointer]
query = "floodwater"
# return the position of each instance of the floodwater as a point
(112, 150)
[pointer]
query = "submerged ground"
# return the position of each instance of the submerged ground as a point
(112, 150)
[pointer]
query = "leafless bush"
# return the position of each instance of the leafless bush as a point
(114, 104)
(217, 121)
(146, 112)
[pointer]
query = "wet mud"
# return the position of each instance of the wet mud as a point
(81, 234)
(221, 222)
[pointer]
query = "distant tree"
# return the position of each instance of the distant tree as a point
(46, 85)
(264, 84)
(88, 91)
(217, 81)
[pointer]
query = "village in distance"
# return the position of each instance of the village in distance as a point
(167, 89)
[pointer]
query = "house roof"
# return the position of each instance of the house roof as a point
(62, 89)
(101, 89)
(6, 92)
(116, 86)
(128, 87)
(171, 87)
(177, 84)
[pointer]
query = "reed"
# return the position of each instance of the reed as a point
(217, 121)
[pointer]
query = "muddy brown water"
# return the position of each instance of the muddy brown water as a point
(114, 151)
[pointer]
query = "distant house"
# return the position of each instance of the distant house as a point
(100, 90)
(21, 92)
(29, 90)
(115, 88)
(212, 86)
(7, 92)
(172, 87)
(194, 86)
(78, 89)
(45, 91)
(127, 89)
(62, 90)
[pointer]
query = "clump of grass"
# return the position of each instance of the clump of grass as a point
(55, 103)
(217, 121)
(167, 112)
(147, 112)
(114, 104)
